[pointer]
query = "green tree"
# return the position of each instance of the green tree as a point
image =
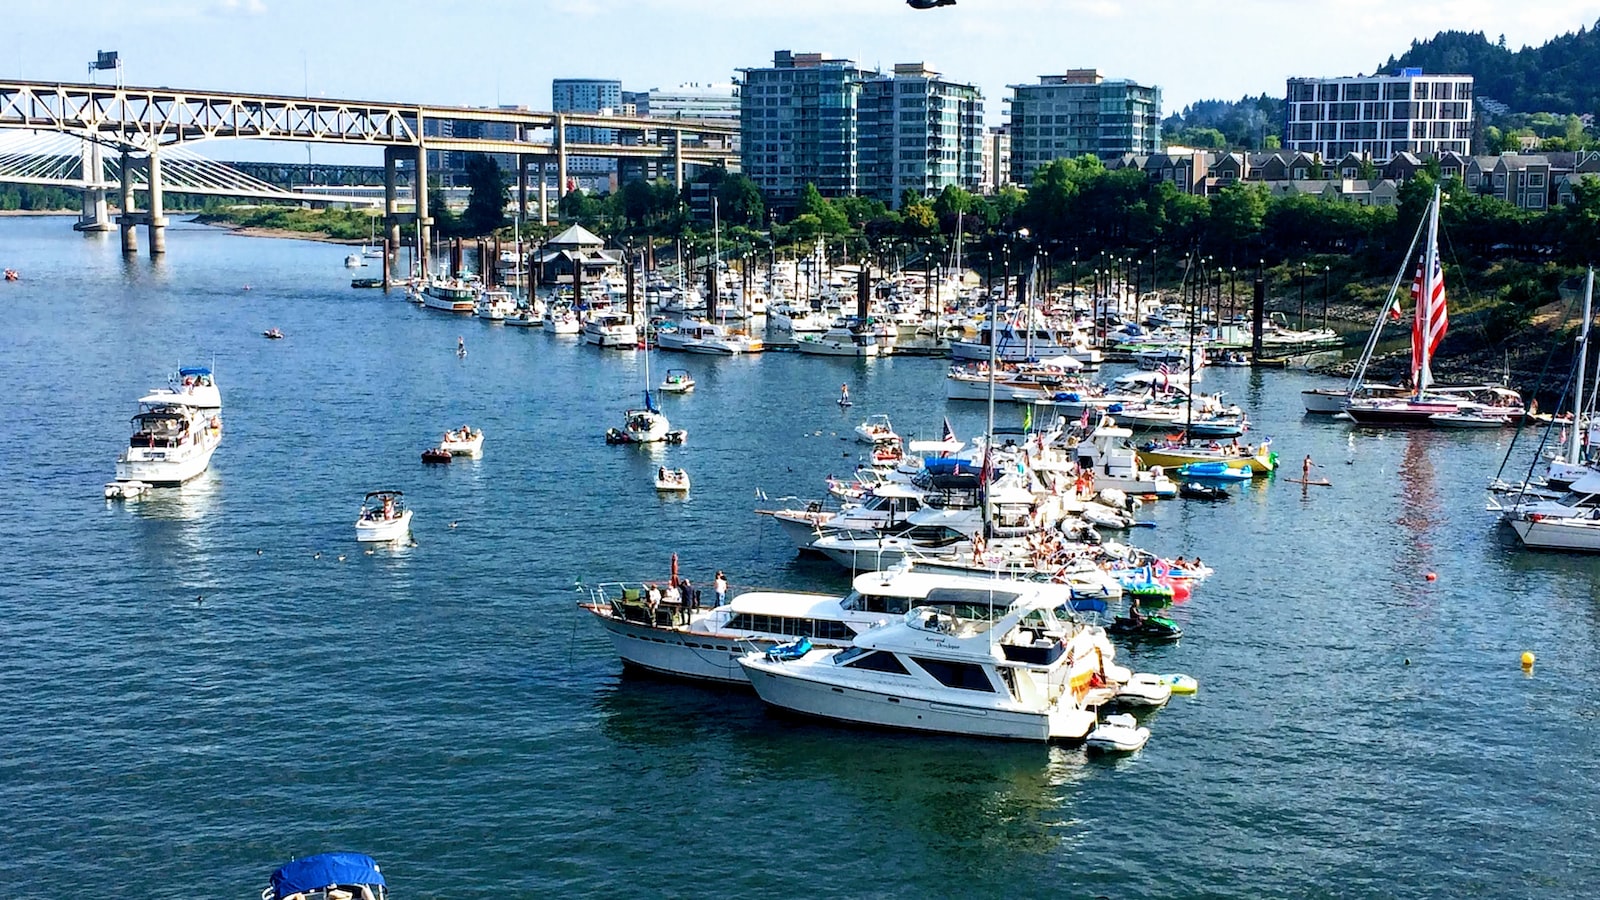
(486, 204)
(830, 220)
(918, 220)
(1238, 213)
(740, 202)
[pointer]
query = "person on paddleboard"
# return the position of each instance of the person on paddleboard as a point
(1306, 469)
(844, 395)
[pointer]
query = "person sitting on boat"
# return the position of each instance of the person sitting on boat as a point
(661, 473)
(388, 508)
(652, 599)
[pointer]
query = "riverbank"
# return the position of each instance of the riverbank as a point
(266, 232)
(332, 226)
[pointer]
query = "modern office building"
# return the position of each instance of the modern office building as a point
(587, 95)
(1379, 115)
(1080, 113)
(713, 102)
(918, 132)
(798, 125)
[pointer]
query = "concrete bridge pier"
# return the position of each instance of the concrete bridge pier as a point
(544, 191)
(127, 218)
(561, 156)
(522, 186)
(95, 216)
(420, 191)
(155, 222)
(391, 216)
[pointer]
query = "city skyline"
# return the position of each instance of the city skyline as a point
(298, 47)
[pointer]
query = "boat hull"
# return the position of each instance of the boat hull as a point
(371, 532)
(1258, 465)
(891, 709)
(1558, 533)
(167, 467)
(1325, 401)
(678, 653)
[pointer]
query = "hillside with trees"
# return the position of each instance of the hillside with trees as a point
(1555, 77)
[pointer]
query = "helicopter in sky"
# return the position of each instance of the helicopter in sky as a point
(929, 4)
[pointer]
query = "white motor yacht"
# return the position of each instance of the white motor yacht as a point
(609, 329)
(559, 318)
(496, 306)
(1013, 670)
(699, 336)
(451, 295)
(383, 517)
(840, 340)
(883, 507)
(174, 434)
(704, 644)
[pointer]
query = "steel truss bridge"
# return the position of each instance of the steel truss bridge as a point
(146, 128)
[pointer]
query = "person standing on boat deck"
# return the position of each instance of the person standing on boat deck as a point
(691, 602)
(721, 587)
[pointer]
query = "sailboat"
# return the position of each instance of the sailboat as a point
(1429, 406)
(372, 249)
(645, 425)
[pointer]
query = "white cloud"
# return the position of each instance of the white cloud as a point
(241, 7)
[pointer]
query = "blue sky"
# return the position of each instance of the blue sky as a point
(481, 52)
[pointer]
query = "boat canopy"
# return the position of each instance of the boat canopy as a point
(193, 371)
(936, 446)
(324, 870)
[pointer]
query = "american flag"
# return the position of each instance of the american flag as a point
(949, 433)
(1165, 372)
(1432, 319)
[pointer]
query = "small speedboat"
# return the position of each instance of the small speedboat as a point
(328, 876)
(126, 490)
(354, 261)
(1120, 733)
(1105, 517)
(383, 517)
(678, 381)
(1144, 689)
(1466, 420)
(463, 441)
(1147, 628)
(1194, 490)
(672, 480)
(272, 334)
(876, 430)
(437, 455)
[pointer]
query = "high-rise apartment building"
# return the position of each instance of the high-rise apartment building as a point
(996, 159)
(587, 95)
(918, 132)
(1078, 113)
(798, 125)
(811, 118)
(1379, 115)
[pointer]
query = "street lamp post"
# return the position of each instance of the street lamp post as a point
(1233, 296)
(1074, 270)
(988, 278)
(1005, 286)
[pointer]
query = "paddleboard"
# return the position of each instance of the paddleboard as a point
(1322, 483)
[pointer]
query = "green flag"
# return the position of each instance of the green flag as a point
(1027, 418)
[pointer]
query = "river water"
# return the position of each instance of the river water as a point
(199, 686)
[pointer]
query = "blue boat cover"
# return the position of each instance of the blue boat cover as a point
(1088, 604)
(324, 870)
(948, 466)
(190, 371)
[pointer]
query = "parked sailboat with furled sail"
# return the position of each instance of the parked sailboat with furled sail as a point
(1427, 405)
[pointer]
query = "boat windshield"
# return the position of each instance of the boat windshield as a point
(924, 618)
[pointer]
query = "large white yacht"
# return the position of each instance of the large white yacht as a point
(610, 329)
(451, 295)
(175, 432)
(1011, 669)
(705, 644)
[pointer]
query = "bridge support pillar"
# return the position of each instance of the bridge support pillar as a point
(424, 221)
(127, 219)
(95, 217)
(544, 192)
(156, 223)
(391, 219)
(561, 156)
(522, 186)
(677, 160)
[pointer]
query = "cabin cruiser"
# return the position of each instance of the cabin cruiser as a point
(610, 329)
(1025, 382)
(686, 640)
(383, 517)
(1004, 665)
(841, 340)
(797, 319)
(559, 318)
(1017, 344)
(884, 507)
(1108, 453)
(496, 306)
(700, 336)
(174, 434)
(451, 295)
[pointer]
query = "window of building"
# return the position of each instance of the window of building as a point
(1419, 90)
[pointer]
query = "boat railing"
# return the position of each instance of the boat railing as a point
(628, 602)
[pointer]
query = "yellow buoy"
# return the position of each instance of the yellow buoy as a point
(1527, 659)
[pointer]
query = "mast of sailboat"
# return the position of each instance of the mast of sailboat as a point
(1188, 388)
(988, 440)
(1358, 376)
(716, 261)
(1424, 311)
(1574, 443)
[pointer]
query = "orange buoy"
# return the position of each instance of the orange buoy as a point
(1432, 576)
